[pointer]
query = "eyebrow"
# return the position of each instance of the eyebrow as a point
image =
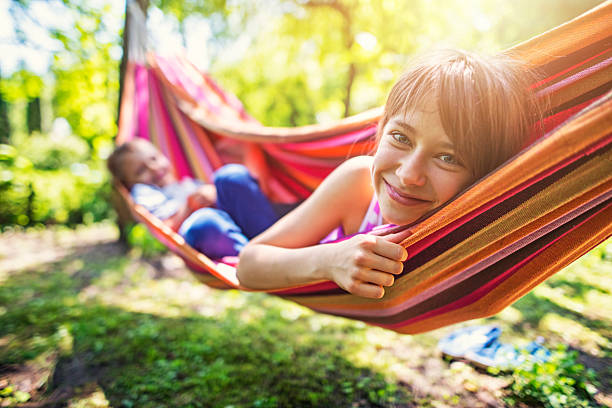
(405, 126)
(410, 128)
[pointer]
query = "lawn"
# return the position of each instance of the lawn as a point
(85, 323)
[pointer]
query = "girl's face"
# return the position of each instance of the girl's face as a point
(147, 165)
(416, 168)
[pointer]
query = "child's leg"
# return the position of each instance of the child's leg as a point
(239, 195)
(213, 232)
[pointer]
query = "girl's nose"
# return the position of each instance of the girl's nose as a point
(411, 171)
(152, 164)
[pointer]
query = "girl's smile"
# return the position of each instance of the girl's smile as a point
(416, 168)
(404, 198)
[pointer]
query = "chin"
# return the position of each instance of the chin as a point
(398, 216)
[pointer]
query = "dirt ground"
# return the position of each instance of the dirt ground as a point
(54, 382)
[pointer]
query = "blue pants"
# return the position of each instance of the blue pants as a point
(242, 212)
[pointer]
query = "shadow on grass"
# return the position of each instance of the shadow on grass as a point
(576, 288)
(533, 308)
(146, 360)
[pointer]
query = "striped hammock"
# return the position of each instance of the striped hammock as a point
(475, 256)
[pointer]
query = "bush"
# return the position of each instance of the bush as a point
(53, 153)
(29, 196)
(560, 382)
(139, 237)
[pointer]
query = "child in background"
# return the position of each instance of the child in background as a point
(451, 119)
(216, 219)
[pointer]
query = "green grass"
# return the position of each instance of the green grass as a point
(99, 327)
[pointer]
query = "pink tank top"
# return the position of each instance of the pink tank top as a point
(373, 218)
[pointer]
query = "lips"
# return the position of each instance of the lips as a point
(404, 199)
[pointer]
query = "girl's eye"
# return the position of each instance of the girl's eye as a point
(449, 158)
(400, 137)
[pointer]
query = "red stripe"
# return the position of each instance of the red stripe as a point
(550, 78)
(488, 286)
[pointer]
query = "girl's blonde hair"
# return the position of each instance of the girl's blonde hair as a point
(116, 161)
(485, 103)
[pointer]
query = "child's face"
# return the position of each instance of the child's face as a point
(416, 168)
(147, 165)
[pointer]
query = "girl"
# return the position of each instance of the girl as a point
(449, 120)
(217, 219)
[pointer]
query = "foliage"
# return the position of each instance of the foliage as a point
(68, 195)
(53, 153)
(306, 49)
(21, 85)
(139, 237)
(243, 356)
(292, 62)
(561, 382)
(153, 337)
(87, 75)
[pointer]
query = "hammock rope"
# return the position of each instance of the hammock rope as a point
(475, 256)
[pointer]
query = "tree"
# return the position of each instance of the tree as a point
(33, 115)
(348, 37)
(86, 73)
(5, 127)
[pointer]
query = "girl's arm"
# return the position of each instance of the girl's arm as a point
(176, 219)
(288, 253)
(205, 196)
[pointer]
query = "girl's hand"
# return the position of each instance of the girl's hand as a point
(205, 196)
(364, 264)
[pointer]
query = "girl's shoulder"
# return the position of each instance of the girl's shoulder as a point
(351, 177)
(352, 182)
(355, 168)
(359, 162)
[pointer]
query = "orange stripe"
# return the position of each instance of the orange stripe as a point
(560, 254)
(126, 113)
(581, 87)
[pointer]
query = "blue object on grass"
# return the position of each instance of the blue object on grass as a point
(471, 338)
(506, 356)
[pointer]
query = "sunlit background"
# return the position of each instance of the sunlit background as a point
(87, 322)
(291, 62)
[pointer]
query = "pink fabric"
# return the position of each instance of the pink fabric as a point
(565, 71)
(142, 102)
(332, 142)
(172, 150)
(578, 76)
(372, 219)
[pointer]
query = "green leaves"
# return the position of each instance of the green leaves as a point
(561, 382)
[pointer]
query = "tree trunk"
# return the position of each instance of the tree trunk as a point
(349, 85)
(5, 127)
(124, 217)
(346, 14)
(33, 115)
